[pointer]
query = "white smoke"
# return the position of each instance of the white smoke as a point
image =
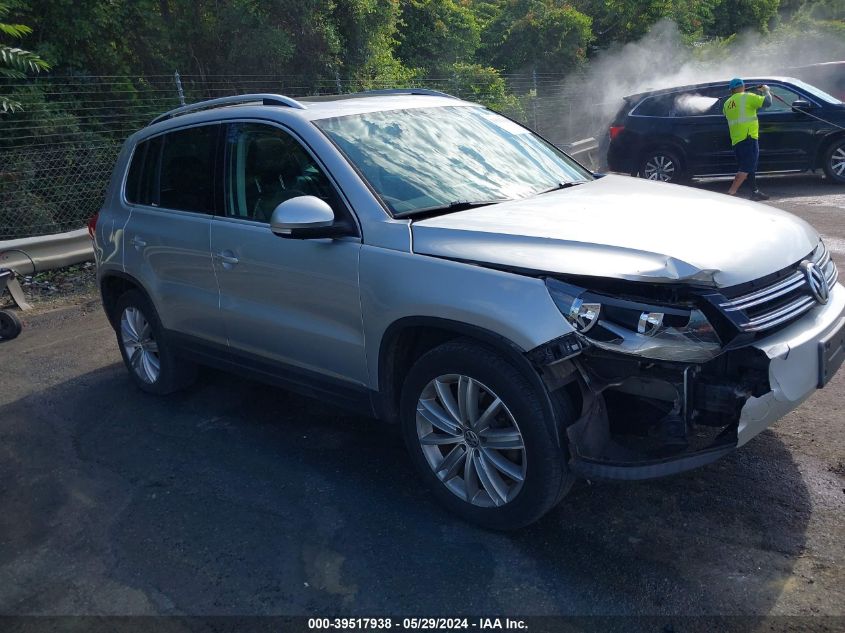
(694, 104)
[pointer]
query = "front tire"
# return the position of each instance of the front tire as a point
(834, 161)
(479, 436)
(662, 165)
(152, 363)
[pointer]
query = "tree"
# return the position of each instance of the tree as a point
(16, 62)
(626, 21)
(543, 35)
(436, 34)
(485, 85)
(367, 30)
(736, 16)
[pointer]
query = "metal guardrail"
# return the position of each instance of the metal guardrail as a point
(30, 255)
(46, 252)
(585, 150)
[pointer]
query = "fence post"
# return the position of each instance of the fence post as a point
(179, 88)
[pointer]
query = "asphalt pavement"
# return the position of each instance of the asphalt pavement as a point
(237, 498)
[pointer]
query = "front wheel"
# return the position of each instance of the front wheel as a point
(662, 165)
(834, 161)
(479, 436)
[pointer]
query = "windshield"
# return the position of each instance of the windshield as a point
(815, 92)
(425, 158)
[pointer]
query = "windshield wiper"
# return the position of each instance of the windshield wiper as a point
(456, 205)
(561, 185)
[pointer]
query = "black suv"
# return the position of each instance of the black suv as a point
(679, 133)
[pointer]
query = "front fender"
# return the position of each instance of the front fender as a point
(397, 285)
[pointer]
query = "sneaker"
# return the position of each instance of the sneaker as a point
(758, 195)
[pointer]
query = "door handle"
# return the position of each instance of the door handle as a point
(138, 243)
(228, 259)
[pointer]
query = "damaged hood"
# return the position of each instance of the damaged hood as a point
(625, 228)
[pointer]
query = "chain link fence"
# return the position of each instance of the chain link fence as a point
(57, 151)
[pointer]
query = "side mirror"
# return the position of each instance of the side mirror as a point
(306, 217)
(800, 105)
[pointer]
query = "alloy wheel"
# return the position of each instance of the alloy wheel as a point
(837, 161)
(471, 440)
(141, 348)
(660, 167)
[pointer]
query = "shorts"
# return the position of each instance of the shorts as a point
(747, 154)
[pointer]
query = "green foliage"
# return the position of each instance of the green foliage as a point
(736, 16)
(542, 35)
(436, 34)
(15, 62)
(485, 85)
(367, 31)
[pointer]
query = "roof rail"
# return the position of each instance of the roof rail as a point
(408, 91)
(265, 99)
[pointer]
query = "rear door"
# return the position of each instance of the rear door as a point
(170, 194)
(700, 122)
(285, 300)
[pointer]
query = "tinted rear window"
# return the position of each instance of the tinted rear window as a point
(175, 170)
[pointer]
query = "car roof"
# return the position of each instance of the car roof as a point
(341, 105)
(710, 84)
(283, 108)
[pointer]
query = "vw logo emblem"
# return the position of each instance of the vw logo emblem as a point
(816, 281)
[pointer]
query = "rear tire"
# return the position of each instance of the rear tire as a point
(834, 161)
(148, 355)
(662, 165)
(501, 471)
(10, 325)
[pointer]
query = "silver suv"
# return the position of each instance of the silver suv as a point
(427, 261)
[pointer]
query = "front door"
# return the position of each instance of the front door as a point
(786, 136)
(291, 301)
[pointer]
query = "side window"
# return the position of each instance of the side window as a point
(781, 106)
(175, 170)
(186, 180)
(697, 103)
(141, 182)
(266, 166)
(660, 105)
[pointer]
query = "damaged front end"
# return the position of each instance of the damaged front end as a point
(659, 385)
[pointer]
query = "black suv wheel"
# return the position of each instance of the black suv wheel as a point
(834, 161)
(663, 165)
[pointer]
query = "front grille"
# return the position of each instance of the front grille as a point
(782, 301)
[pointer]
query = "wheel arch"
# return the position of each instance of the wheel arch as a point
(824, 146)
(408, 338)
(113, 285)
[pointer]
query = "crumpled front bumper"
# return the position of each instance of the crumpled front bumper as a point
(794, 367)
(782, 369)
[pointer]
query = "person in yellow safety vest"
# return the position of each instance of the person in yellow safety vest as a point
(740, 109)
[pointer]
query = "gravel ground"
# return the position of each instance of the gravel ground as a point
(236, 498)
(58, 288)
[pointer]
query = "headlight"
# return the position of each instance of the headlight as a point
(640, 329)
